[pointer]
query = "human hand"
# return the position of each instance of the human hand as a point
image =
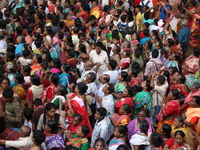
(98, 98)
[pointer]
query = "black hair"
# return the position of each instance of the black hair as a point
(76, 30)
(107, 78)
(11, 48)
(116, 37)
(38, 43)
(182, 79)
(156, 21)
(99, 139)
(49, 106)
(56, 62)
(176, 56)
(127, 108)
(54, 78)
(138, 53)
(82, 88)
(170, 42)
(10, 56)
(66, 67)
(166, 130)
(38, 57)
(141, 109)
(20, 78)
(174, 70)
(81, 35)
(144, 126)
(122, 147)
(85, 130)
(71, 52)
(60, 35)
(148, 86)
(35, 80)
(122, 130)
(62, 90)
(197, 99)
(175, 94)
(26, 53)
(146, 32)
(179, 132)
(102, 111)
(37, 102)
(92, 76)
(157, 139)
(125, 76)
(147, 15)
(8, 93)
(28, 114)
(139, 7)
(155, 53)
(123, 18)
(55, 20)
(5, 78)
(79, 116)
(196, 52)
(83, 29)
(113, 64)
(130, 91)
(161, 79)
(27, 69)
(53, 125)
(70, 147)
(180, 119)
(127, 53)
(82, 48)
(110, 88)
(49, 29)
(39, 137)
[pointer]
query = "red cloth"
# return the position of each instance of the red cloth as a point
(9, 134)
(172, 108)
(128, 100)
(72, 62)
(79, 107)
(171, 144)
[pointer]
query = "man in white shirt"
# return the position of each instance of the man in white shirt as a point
(112, 64)
(23, 143)
(101, 126)
(100, 59)
(3, 43)
(82, 37)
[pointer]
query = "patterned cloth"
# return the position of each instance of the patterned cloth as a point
(21, 92)
(195, 30)
(191, 63)
(54, 141)
(152, 66)
(114, 143)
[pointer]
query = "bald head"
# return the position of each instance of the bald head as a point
(105, 78)
(85, 57)
(89, 65)
(25, 130)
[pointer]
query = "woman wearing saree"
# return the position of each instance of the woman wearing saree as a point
(179, 125)
(76, 104)
(36, 64)
(169, 110)
(123, 118)
(50, 92)
(134, 125)
(143, 99)
(19, 89)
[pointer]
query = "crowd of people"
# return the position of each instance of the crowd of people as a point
(97, 75)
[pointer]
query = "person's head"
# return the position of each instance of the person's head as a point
(82, 48)
(178, 121)
(100, 113)
(91, 77)
(54, 78)
(146, 32)
(115, 39)
(105, 78)
(55, 63)
(123, 76)
(108, 88)
(156, 139)
(35, 80)
(173, 95)
(146, 85)
(10, 56)
(161, 79)
(52, 126)
(61, 90)
(195, 101)
(70, 53)
(50, 109)
(155, 53)
(138, 8)
(174, 56)
(19, 78)
(195, 86)
(120, 131)
(125, 54)
(77, 119)
(122, 147)
(196, 52)
(99, 144)
(89, 65)
(179, 137)
(38, 137)
(24, 131)
(37, 102)
(70, 147)
(37, 58)
(83, 131)
(26, 70)
(28, 114)
(26, 53)
(112, 64)
(81, 37)
(141, 114)
(128, 92)
(11, 48)
(125, 109)
(144, 126)
(98, 47)
(166, 130)
(184, 22)
(4, 83)
(81, 88)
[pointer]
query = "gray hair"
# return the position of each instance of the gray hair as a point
(184, 22)
(128, 44)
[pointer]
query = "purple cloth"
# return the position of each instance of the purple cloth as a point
(133, 129)
(55, 70)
